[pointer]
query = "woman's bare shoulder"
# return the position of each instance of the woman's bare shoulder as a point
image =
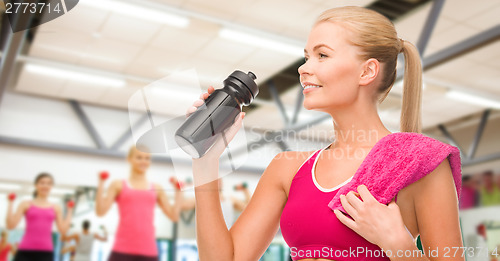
(25, 204)
(285, 164)
(292, 157)
(117, 184)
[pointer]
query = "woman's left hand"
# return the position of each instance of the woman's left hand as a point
(372, 220)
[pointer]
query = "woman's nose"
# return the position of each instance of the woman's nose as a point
(304, 69)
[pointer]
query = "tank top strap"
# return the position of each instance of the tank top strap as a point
(309, 162)
(153, 189)
(311, 159)
(125, 188)
(30, 206)
(127, 184)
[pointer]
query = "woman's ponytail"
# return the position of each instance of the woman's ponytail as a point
(411, 119)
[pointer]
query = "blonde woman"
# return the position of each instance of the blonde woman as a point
(350, 65)
(136, 197)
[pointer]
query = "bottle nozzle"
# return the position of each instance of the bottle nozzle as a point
(252, 75)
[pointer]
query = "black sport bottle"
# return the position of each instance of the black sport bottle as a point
(200, 130)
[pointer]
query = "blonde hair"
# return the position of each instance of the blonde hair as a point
(133, 149)
(377, 38)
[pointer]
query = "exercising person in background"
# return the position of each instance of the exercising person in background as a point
(36, 243)
(489, 192)
(68, 247)
(228, 204)
(239, 204)
(231, 204)
(6, 247)
(136, 198)
(84, 242)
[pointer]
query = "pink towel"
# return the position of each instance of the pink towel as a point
(396, 161)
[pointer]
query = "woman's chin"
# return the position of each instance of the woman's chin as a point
(141, 170)
(310, 106)
(43, 195)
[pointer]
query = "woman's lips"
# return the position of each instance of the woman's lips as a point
(309, 87)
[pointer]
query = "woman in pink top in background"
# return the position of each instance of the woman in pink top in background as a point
(40, 214)
(350, 66)
(136, 198)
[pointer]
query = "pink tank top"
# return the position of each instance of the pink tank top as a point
(136, 233)
(4, 252)
(38, 234)
(311, 229)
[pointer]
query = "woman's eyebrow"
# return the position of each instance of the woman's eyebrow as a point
(319, 46)
(322, 45)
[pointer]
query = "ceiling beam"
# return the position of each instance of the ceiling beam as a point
(12, 48)
(479, 134)
(468, 45)
(451, 140)
(128, 133)
(482, 159)
(84, 119)
(429, 25)
(298, 104)
(274, 93)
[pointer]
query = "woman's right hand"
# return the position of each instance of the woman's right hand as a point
(220, 145)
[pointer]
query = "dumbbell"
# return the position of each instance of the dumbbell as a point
(104, 175)
(12, 196)
(178, 184)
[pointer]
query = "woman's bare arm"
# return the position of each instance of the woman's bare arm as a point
(171, 211)
(101, 238)
(70, 237)
(436, 207)
(255, 228)
(68, 249)
(63, 223)
(13, 249)
(104, 202)
(13, 219)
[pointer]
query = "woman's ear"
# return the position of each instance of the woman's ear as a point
(370, 71)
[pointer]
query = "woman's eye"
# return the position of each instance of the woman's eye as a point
(305, 59)
(322, 55)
